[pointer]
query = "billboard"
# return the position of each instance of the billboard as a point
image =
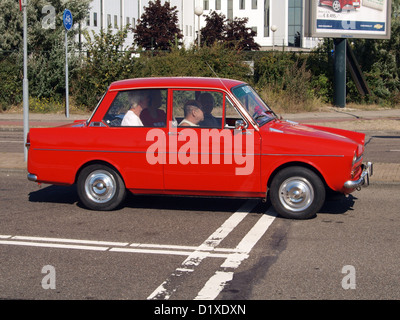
(349, 19)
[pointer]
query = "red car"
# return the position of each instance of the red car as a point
(338, 5)
(196, 137)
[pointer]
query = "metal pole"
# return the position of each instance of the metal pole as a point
(198, 40)
(66, 77)
(198, 11)
(25, 82)
(340, 73)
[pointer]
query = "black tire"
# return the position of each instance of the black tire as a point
(100, 188)
(297, 193)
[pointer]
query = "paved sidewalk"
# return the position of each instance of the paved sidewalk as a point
(359, 120)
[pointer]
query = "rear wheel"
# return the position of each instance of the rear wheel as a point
(297, 193)
(100, 187)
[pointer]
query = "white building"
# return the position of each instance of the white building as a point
(286, 16)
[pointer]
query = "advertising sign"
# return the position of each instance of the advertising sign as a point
(350, 19)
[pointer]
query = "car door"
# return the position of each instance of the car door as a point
(210, 156)
(128, 143)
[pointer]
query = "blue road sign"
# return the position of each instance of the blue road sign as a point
(67, 19)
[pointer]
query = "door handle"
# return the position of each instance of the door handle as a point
(246, 132)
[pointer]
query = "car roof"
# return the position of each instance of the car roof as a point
(175, 82)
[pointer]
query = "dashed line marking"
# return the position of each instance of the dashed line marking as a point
(222, 277)
(216, 284)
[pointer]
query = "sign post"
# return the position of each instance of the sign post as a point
(23, 5)
(68, 22)
(340, 73)
(342, 20)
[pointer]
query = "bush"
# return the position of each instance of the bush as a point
(45, 105)
(285, 83)
(11, 81)
(103, 64)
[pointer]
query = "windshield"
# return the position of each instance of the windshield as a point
(254, 105)
(95, 109)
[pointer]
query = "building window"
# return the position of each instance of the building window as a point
(254, 29)
(254, 4)
(109, 25)
(295, 22)
(115, 22)
(88, 20)
(242, 4)
(266, 18)
(230, 10)
(95, 19)
(205, 5)
(217, 4)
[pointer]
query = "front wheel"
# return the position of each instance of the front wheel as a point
(100, 187)
(297, 193)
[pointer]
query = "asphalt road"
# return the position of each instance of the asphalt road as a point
(188, 248)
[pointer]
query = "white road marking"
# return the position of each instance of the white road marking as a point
(123, 247)
(105, 243)
(53, 245)
(217, 283)
(170, 285)
(195, 254)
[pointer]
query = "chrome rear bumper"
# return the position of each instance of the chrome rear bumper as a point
(367, 171)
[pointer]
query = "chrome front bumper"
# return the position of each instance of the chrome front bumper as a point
(367, 171)
(32, 177)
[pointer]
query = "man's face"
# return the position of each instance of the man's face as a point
(198, 115)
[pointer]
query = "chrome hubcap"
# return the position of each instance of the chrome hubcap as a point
(296, 194)
(100, 186)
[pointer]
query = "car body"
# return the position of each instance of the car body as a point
(247, 152)
(338, 5)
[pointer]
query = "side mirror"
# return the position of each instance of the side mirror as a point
(240, 125)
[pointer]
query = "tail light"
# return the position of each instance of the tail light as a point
(28, 141)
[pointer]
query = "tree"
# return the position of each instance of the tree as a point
(45, 45)
(157, 29)
(215, 28)
(10, 25)
(40, 38)
(240, 36)
(234, 32)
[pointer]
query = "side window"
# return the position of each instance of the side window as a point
(138, 108)
(197, 108)
(231, 114)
